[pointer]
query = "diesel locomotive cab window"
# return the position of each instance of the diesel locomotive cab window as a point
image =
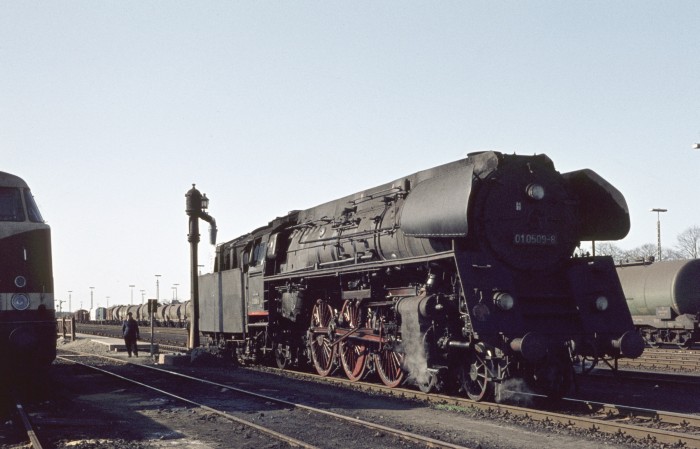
(11, 208)
(32, 208)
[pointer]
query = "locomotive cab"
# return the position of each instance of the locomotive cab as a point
(27, 317)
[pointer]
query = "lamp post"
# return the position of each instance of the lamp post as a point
(70, 307)
(108, 302)
(658, 229)
(132, 293)
(196, 205)
(175, 291)
(157, 287)
(143, 295)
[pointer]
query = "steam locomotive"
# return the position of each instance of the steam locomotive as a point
(27, 314)
(664, 300)
(459, 276)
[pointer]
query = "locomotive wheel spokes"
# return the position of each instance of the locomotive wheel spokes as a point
(354, 359)
(476, 378)
(281, 356)
(351, 315)
(389, 367)
(353, 355)
(322, 349)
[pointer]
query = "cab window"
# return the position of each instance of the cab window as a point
(32, 208)
(259, 253)
(11, 208)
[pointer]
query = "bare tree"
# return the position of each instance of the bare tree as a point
(648, 251)
(609, 249)
(688, 242)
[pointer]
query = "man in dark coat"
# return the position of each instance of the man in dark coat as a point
(130, 330)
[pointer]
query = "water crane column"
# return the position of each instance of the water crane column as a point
(195, 207)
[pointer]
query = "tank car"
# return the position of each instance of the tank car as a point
(664, 300)
(111, 313)
(459, 276)
(167, 315)
(134, 310)
(159, 316)
(173, 315)
(119, 313)
(27, 313)
(144, 316)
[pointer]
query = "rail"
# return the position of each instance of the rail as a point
(610, 419)
(402, 434)
(34, 442)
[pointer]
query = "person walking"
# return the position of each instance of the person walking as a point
(130, 331)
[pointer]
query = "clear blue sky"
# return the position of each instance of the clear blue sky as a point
(111, 110)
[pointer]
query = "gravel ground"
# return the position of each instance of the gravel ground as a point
(128, 417)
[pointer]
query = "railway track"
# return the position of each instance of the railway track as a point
(678, 360)
(28, 427)
(332, 423)
(639, 423)
(19, 429)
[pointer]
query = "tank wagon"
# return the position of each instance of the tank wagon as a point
(456, 276)
(167, 315)
(664, 300)
(27, 313)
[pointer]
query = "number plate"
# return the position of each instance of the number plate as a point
(535, 239)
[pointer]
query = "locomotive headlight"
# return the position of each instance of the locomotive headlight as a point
(601, 303)
(20, 281)
(535, 191)
(20, 301)
(504, 301)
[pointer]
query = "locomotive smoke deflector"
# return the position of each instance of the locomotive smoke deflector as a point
(446, 198)
(604, 213)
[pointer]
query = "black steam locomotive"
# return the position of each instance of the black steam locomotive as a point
(27, 316)
(460, 275)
